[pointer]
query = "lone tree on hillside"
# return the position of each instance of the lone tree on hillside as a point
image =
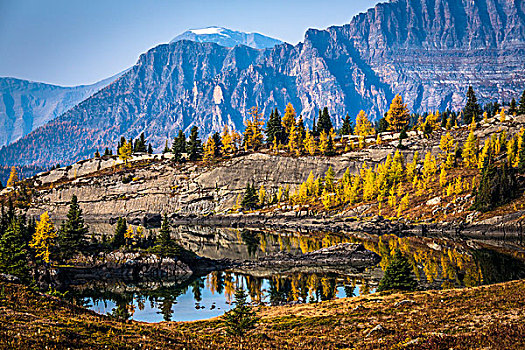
(72, 233)
(241, 318)
(398, 275)
(398, 114)
(472, 110)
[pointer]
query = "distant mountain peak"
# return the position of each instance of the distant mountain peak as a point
(228, 37)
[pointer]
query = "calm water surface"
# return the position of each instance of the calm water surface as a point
(437, 264)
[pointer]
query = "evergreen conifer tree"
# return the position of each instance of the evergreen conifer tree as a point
(218, 141)
(72, 233)
(398, 275)
(150, 149)
(250, 198)
(194, 147)
(513, 108)
(521, 109)
(241, 318)
(325, 122)
(166, 246)
(472, 110)
(120, 231)
(346, 129)
(329, 151)
(179, 146)
(274, 128)
(14, 248)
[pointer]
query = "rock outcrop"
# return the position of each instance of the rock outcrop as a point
(342, 258)
(429, 51)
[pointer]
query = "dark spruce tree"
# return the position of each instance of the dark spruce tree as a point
(14, 252)
(179, 146)
(218, 142)
(250, 199)
(325, 123)
(521, 108)
(498, 186)
(330, 151)
(513, 107)
(398, 275)
(150, 149)
(120, 231)
(274, 128)
(241, 319)
(166, 246)
(140, 144)
(472, 109)
(382, 125)
(72, 233)
(346, 129)
(194, 146)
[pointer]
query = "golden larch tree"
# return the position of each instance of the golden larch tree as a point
(363, 126)
(398, 114)
(44, 238)
(289, 118)
(13, 178)
(253, 133)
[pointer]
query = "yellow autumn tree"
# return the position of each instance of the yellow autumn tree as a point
(363, 126)
(209, 149)
(470, 151)
(309, 143)
(289, 118)
(398, 114)
(262, 195)
(295, 141)
(323, 142)
(44, 238)
(253, 133)
(125, 151)
(228, 142)
(13, 178)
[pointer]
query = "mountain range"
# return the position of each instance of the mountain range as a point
(26, 105)
(429, 51)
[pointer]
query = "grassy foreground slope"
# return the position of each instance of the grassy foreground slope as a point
(488, 317)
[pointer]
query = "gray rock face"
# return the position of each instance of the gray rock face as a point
(429, 51)
(26, 105)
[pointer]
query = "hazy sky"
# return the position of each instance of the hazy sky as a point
(72, 42)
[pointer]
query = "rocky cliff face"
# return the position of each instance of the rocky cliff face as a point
(427, 50)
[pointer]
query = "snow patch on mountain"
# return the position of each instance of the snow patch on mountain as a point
(228, 38)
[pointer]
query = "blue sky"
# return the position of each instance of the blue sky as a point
(72, 42)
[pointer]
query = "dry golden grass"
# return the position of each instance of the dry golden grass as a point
(488, 317)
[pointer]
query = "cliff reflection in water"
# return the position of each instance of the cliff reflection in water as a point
(437, 263)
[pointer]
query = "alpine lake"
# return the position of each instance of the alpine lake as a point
(438, 263)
